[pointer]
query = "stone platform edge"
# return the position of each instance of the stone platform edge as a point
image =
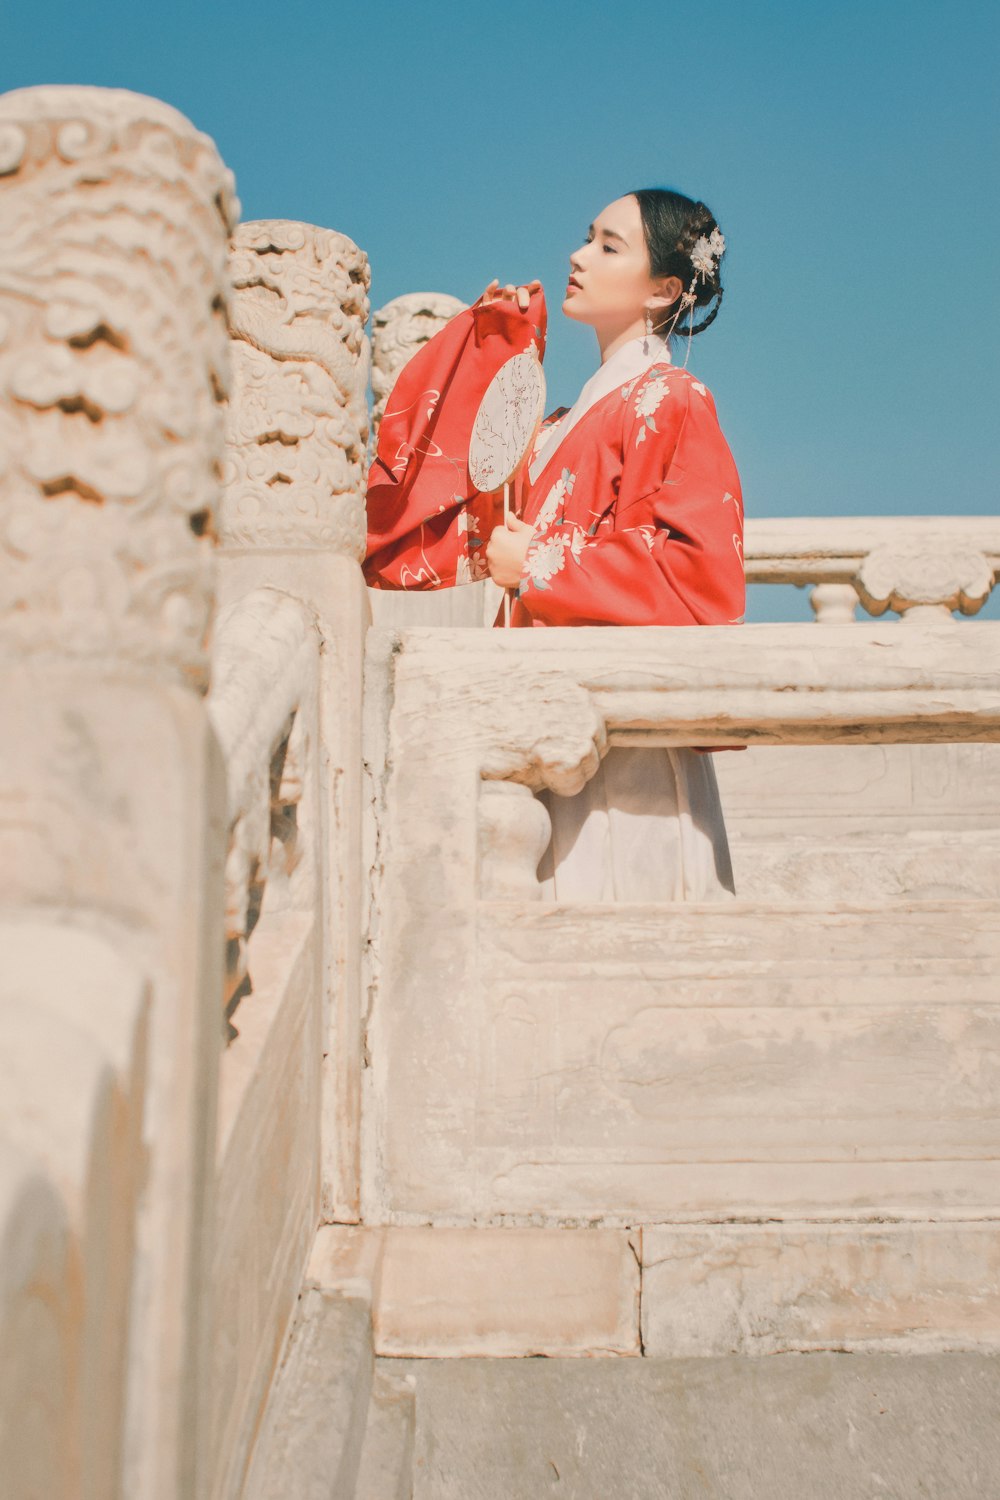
(676, 1290)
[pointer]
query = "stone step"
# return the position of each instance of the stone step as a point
(386, 1471)
(314, 1427)
(784, 1427)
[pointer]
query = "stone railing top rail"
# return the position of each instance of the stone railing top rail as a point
(533, 706)
(905, 563)
(789, 549)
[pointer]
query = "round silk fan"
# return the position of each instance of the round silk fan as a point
(504, 430)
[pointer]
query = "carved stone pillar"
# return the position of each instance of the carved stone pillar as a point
(293, 520)
(297, 429)
(113, 367)
(113, 360)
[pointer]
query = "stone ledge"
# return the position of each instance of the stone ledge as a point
(347, 1258)
(804, 1287)
(508, 1292)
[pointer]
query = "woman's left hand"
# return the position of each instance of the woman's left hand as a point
(506, 550)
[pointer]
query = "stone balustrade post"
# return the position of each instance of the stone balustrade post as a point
(514, 831)
(113, 369)
(293, 520)
(923, 567)
(834, 603)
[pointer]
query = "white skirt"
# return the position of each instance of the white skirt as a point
(647, 827)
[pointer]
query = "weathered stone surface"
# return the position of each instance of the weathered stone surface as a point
(514, 832)
(935, 574)
(791, 1427)
(630, 1064)
(508, 1292)
(40, 1306)
(113, 372)
(265, 683)
(467, 606)
(817, 549)
(347, 1258)
(834, 603)
(73, 1038)
(319, 854)
(152, 868)
(293, 525)
(386, 1471)
(874, 823)
(311, 1440)
(269, 1135)
(766, 1288)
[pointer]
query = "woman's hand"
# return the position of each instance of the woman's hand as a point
(506, 550)
(522, 294)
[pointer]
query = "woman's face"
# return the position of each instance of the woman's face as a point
(610, 285)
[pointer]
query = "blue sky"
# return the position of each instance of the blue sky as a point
(849, 151)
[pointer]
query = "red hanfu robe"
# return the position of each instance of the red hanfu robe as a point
(428, 525)
(637, 520)
(637, 509)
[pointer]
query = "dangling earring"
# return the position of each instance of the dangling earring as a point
(649, 329)
(689, 300)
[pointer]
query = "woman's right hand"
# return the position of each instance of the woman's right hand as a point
(522, 294)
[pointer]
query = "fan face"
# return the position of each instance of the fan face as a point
(506, 423)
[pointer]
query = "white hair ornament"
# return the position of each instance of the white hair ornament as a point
(706, 252)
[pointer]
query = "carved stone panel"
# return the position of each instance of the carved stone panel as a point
(670, 1061)
(878, 821)
(113, 365)
(297, 429)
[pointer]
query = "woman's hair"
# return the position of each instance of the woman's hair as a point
(672, 224)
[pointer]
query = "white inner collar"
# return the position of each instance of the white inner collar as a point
(624, 365)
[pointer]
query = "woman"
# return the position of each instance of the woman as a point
(629, 514)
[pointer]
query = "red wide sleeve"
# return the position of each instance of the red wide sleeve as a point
(670, 551)
(427, 524)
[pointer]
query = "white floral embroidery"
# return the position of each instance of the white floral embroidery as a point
(545, 560)
(555, 500)
(702, 390)
(647, 403)
(650, 397)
